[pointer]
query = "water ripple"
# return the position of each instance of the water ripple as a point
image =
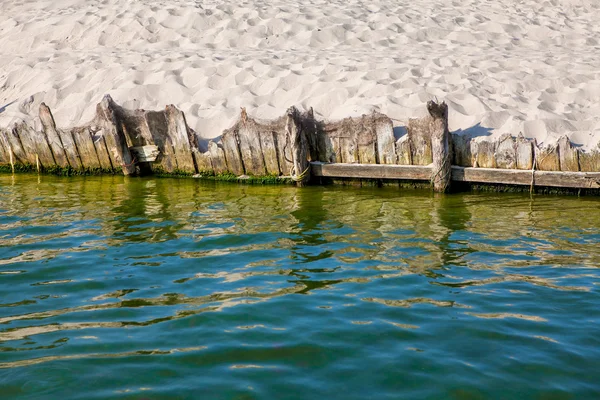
(145, 288)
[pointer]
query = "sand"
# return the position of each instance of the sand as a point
(502, 66)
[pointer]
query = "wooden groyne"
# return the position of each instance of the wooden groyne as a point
(296, 146)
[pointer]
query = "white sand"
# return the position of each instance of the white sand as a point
(503, 66)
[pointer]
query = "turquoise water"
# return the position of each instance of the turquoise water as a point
(115, 288)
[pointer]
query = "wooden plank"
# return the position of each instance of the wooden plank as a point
(217, 158)
(485, 156)
(4, 156)
(524, 148)
(203, 162)
(284, 151)
(371, 171)
(386, 144)
(49, 129)
(87, 151)
(66, 138)
(156, 123)
(178, 133)
(147, 153)
(249, 143)
(349, 149)
(521, 177)
(28, 144)
(98, 138)
(12, 143)
(269, 149)
(506, 152)
(460, 174)
(568, 155)
(419, 137)
(232, 152)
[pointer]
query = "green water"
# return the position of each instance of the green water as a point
(115, 288)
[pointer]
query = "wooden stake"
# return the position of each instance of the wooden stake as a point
(301, 168)
(440, 146)
(10, 154)
(37, 162)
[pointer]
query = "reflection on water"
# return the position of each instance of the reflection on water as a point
(129, 287)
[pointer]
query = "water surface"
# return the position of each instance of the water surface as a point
(116, 288)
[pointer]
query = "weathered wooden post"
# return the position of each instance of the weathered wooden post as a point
(52, 136)
(106, 116)
(301, 167)
(441, 170)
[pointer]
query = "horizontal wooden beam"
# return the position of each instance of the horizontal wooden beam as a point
(576, 180)
(370, 171)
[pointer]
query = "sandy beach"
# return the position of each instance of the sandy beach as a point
(502, 66)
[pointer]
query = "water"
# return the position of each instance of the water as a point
(115, 288)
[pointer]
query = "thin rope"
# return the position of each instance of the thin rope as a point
(298, 178)
(133, 161)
